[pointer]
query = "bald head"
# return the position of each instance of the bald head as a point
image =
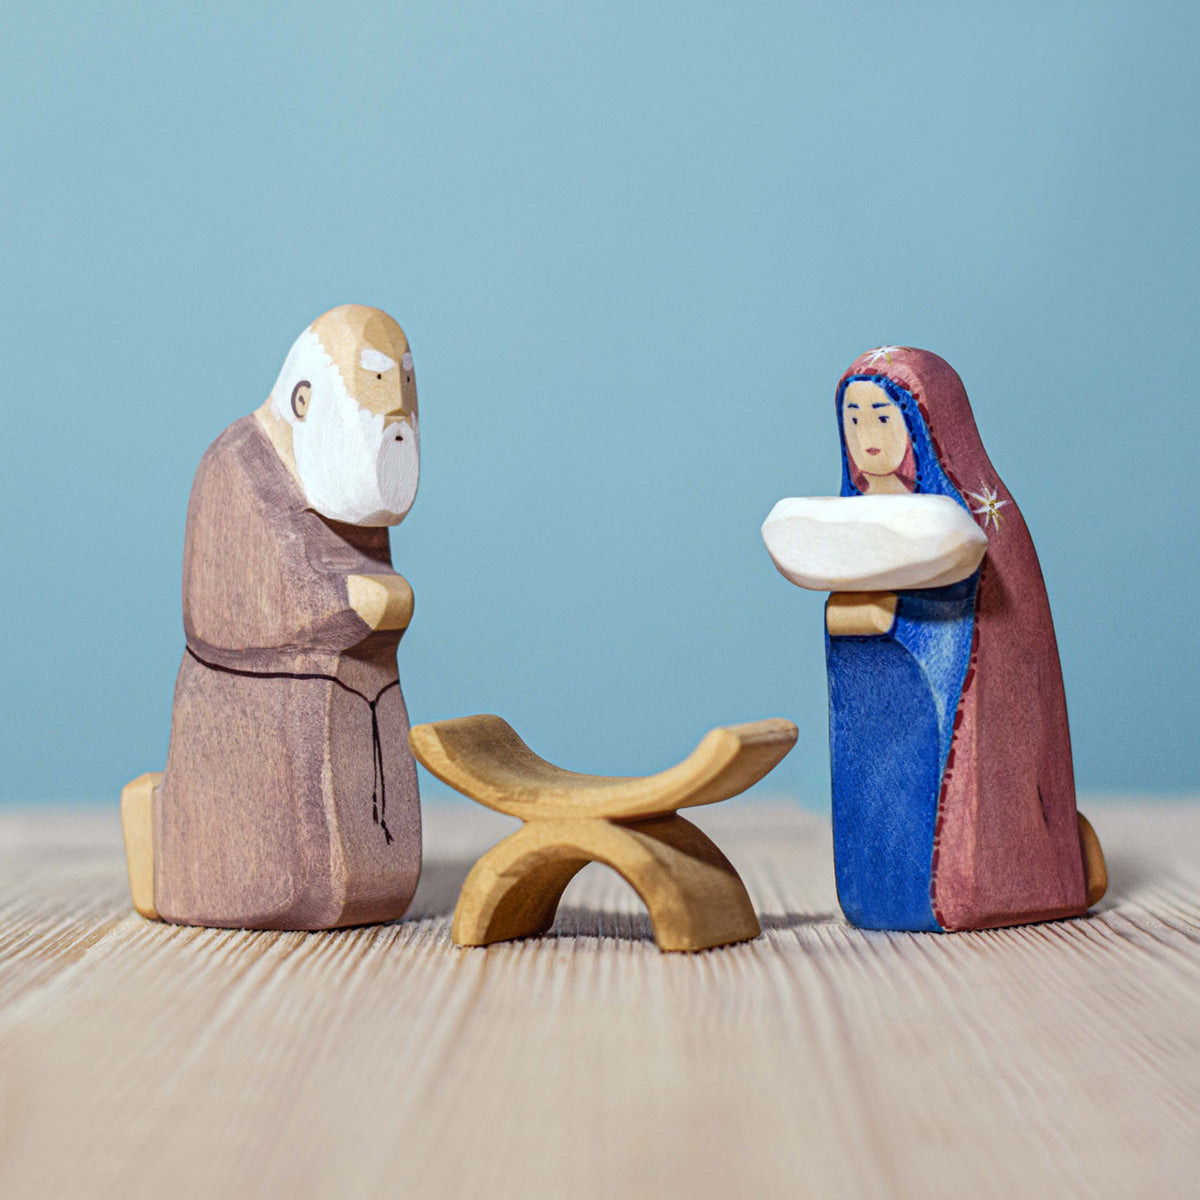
(343, 416)
(371, 354)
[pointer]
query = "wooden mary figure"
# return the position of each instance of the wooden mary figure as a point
(289, 799)
(953, 791)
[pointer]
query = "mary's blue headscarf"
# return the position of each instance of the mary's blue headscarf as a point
(930, 478)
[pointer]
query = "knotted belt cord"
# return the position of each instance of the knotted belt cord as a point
(378, 782)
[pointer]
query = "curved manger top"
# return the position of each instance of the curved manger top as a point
(482, 757)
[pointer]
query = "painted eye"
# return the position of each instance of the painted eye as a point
(301, 395)
(883, 420)
(853, 420)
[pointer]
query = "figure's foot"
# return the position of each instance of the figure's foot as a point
(137, 820)
(1095, 873)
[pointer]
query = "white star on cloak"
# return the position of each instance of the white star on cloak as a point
(873, 356)
(989, 505)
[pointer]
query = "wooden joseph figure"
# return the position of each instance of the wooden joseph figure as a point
(953, 792)
(289, 799)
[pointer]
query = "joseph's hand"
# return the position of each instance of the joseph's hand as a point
(382, 601)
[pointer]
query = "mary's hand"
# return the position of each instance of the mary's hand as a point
(860, 614)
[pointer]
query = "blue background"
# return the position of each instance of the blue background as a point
(633, 247)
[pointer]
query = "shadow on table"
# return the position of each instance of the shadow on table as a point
(442, 880)
(437, 892)
(573, 921)
(789, 922)
(1128, 874)
(578, 921)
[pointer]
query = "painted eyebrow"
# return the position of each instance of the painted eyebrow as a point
(375, 360)
(881, 404)
(852, 405)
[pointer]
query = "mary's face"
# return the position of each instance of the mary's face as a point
(876, 436)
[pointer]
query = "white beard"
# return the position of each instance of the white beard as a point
(352, 468)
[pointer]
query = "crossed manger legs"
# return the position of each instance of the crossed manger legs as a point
(694, 896)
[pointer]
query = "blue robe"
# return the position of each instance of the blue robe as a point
(892, 700)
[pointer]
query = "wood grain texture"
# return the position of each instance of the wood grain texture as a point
(141, 1060)
(692, 892)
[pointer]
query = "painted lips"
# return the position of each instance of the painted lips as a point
(872, 449)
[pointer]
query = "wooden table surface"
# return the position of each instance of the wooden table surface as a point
(144, 1060)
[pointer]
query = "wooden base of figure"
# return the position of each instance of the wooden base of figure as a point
(695, 898)
(137, 822)
(1095, 870)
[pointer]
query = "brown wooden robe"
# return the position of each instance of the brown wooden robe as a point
(290, 796)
